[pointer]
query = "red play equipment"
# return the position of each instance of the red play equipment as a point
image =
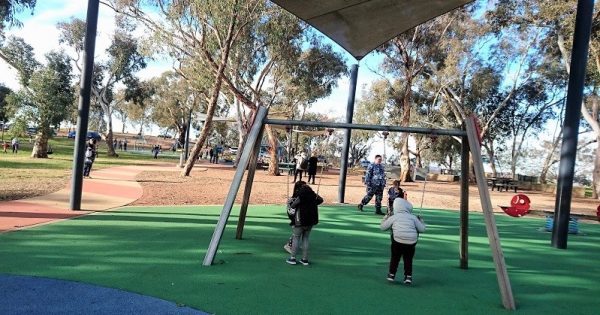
(519, 206)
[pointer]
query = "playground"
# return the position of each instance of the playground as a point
(146, 235)
(157, 251)
(135, 245)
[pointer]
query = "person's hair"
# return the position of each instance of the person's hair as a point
(396, 183)
(297, 186)
(377, 156)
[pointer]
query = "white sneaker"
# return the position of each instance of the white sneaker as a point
(287, 248)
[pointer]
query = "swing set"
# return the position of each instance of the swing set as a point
(470, 143)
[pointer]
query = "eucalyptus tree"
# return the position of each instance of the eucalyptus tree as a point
(238, 43)
(199, 35)
(46, 100)
(8, 11)
(124, 59)
(299, 82)
(557, 20)
(173, 101)
(5, 112)
(408, 57)
(19, 55)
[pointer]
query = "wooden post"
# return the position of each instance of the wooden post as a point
(490, 222)
(464, 205)
(248, 187)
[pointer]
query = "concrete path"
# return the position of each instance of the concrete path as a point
(107, 188)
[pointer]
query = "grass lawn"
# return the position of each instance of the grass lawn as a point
(158, 251)
(24, 177)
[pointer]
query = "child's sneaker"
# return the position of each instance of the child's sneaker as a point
(291, 261)
(287, 248)
(407, 279)
(391, 277)
(304, 262)
(360, 207)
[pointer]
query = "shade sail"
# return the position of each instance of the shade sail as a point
(360, 26)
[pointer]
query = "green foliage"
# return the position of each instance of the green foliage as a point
(18, 54)
(49, 98)
(19, 126)
(10, 8)
(5, 112)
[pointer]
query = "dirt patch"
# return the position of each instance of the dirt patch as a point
(210, 187)
(18, 183)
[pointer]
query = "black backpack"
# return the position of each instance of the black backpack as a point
(304, 164)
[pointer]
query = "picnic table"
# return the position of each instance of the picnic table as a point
(503, 183)
(286, 166)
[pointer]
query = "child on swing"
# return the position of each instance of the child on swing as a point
(405, 233)
(394, 192)
(304, 214)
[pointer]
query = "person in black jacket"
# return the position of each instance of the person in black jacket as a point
(312, 167)
(306, 215)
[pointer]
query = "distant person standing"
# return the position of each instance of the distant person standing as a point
(120, 144)
(210, 154)
(375, 182)
(155, 151)
(125, 145)
(313, 162)
(301, 166)
(115, 144)
(15, 145)
(216, 155)
(90, 157)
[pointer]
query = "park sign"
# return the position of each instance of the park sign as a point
(360, 26)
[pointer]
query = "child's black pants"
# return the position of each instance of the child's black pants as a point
(407, 252)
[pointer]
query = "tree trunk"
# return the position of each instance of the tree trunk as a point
(243, 133)
(492, 156)
(405, 157)
(241, 142)
(210, 112)
(123, 128)
(550, 160)
(109, 139)
(212, 103)
(40, 148)
(419, 160)
(274, 159)
(596, 174)
(181, 137)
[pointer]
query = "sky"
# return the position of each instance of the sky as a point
(39, 30)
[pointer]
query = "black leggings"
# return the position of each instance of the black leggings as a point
(298, 173)
(311, 176)
(407, 252)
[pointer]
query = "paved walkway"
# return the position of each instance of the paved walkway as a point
(108, 188)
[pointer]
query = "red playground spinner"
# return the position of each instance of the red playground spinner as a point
(519, 206)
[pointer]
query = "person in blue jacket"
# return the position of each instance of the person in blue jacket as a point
(375, 182)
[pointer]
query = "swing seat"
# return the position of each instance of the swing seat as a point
(519, 206)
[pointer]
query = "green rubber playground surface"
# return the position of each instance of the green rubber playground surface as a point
(158, 251)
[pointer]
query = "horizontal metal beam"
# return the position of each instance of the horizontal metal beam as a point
(326, 124)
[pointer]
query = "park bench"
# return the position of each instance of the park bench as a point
(503, 184)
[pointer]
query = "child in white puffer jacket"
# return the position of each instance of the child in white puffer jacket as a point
(405, 233)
